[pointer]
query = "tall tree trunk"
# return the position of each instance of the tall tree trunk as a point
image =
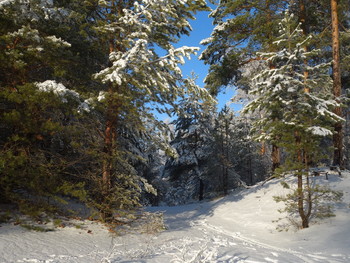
(201, 189)
(263, 148)
(306, 30)
(250, 165)
(338, 127)
(303, 17)
(107, 164)
(275, 156)
(302, 156)
(110, 138)
(198, 174)
(300, 189)
(304, 218)
(227, 158)
(223, 160)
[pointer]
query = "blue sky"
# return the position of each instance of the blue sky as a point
(202, 28)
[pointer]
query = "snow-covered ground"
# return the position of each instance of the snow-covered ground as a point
(237, 228)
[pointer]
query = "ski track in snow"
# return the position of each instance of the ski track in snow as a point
(217, 245)
(226, 231)
(292, 255)
(202, 242)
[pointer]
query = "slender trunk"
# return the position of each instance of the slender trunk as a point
(305, 27)
(201, 190)
(250, 165)
(227, 162)
(198, 175)
(338, 127)
(302, 154)
(110, 138)
(309, 197)
(223, 165)
(225, 181)
(303, 18)
(275, 155)
(301, 190)
(263, 148)
(304, 219)
(309, 190)
(107, 164)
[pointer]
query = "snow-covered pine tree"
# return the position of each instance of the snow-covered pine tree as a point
(241, 29)
(224, 143)
(190, 173)
(35, 130)
(297, 110)
(327, 27)
(238, 155)
(255, 159)
(142, 71)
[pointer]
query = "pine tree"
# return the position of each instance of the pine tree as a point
(316, 17)
(223, 132)
(241, 29)
(337, 87)
(135, 76)
(303, 106)
(190, 171)
(36, 108)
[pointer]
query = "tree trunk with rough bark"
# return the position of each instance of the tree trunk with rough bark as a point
(304, 218)
(338, 127)
(109, 135)
(107, 165)
(276, 159)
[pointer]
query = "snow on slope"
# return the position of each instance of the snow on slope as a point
(237, 228)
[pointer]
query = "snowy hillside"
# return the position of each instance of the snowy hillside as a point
(237, 228)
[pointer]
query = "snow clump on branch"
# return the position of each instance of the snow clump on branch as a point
(58, 89)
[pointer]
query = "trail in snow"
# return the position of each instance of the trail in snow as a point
(235, 229)
(280, 254)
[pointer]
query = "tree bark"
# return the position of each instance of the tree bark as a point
(275, 155)
(223, 160)
(110, 135)
(227, 158)
(304, 218)
(107, 165)
(110, 138)
(338, 127)
(300, 190)
(303, 17)
(201, 189)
